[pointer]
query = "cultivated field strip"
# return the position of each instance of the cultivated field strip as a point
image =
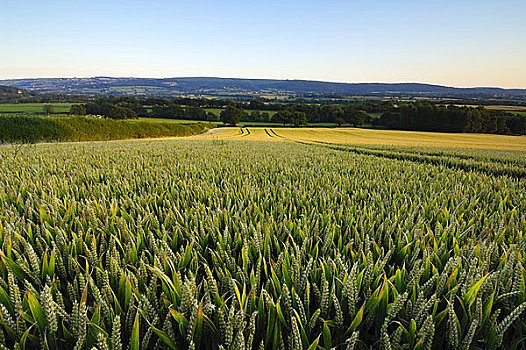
(218, 133)
(195, 244)
(491, 162)
(273, 135)
(474, 143)
(236, 134)
(245, 132)
(491, 167)
(404, 138)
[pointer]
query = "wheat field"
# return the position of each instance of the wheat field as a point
(368, 137)
(222, 242)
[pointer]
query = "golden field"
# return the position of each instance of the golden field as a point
(358, 136)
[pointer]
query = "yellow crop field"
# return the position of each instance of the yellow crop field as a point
(507, 108)
(368, 137)
(240, 134)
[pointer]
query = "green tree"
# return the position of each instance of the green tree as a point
(340, 121)
(283, 116)
(231, 115)
(265, 117)
(77, 110)
(330, 113)
(255, 104)
(171, 111)
(474, 121)
(354, 117)
(298, 118)
(93, 108)
(210, 116)
(48, 109)
(195, 113)
(135, 106)
(255, 116)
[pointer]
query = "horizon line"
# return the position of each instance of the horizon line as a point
(279, 79)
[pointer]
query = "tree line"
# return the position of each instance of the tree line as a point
(423, 116)
(253, 111)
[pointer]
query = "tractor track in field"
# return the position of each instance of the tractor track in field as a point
(269, 134)
(435, 160)
(448, 162)
(276, 135)
(237, 135)
(490, 167)
(243, 134)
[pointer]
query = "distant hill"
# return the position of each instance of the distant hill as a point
(229, 86)
(9, 94)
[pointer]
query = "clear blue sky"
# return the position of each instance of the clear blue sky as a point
(461, 43)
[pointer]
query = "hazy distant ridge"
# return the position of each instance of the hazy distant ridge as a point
(211, 86)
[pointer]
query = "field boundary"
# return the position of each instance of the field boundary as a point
(33, 129)
(488, 168)
(492, 167)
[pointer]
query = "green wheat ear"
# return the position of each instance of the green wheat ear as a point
(175, 245)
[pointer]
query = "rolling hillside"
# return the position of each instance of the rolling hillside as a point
(228, 86)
